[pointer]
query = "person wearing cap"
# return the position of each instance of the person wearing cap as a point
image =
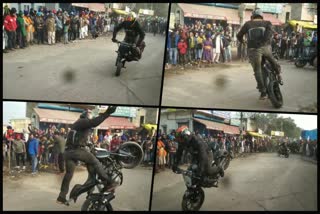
(133, 34)
(39, 25)
(75, 151)
(200, 150)
(10, 26)
(51, 29)
(259, 33)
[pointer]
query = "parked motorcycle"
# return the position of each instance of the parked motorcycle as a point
(125, 54)
(129, 155)
(312, 59)
(194, 196)
(272, 83)
(284, 151)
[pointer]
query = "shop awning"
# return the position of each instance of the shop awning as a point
(120, 12)
(266, 16)
(116, 123)
(84, 5)
(210, 12)
(304, 24)
(97, 7)
(56, 116)
(256, 134)
(219, 126)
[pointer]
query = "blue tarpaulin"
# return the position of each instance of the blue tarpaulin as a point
(310, 134)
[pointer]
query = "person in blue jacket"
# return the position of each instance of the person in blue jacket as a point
(33, 151)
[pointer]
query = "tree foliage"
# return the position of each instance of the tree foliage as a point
(273, 122)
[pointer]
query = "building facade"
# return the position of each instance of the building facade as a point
(304, 11)
(20, 124)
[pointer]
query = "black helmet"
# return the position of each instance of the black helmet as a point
(13, 11)
(84, 114)
(257, 13)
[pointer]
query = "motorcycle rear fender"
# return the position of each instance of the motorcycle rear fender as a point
(78, 189)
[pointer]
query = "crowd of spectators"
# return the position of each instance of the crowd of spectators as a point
(192, 44)
(24, 28)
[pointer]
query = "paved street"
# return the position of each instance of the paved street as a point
(40, 192)
(37, 73)
(260, 182)
(233, 86)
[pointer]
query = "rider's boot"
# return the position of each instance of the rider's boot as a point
(263, 96)
(61, 200)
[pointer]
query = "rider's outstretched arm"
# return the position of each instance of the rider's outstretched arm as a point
(117, 29)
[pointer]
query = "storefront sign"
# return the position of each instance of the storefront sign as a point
(223, 114)
(277, 133)
(146, 12)
(122, 111)
(270, 7)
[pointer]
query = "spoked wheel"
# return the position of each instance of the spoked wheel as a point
(275, 94)
(119, 66)
(193, 199)
(94, 204)
(134, 155)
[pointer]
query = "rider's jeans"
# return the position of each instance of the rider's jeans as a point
(93, 164)
(255, 57)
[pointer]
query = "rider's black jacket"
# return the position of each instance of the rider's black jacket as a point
(259, 33)
(132, 29)
(83, 127)
(199, 149)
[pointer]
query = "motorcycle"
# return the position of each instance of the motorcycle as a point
(194, 196)
(128, 156)
(284, 151)
(272, 83)
(125, 53)
(312, 59)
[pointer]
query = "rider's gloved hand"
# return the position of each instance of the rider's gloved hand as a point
(114, 40)
(111, 109)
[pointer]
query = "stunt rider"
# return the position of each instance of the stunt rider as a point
(186, 141)
(75, 151)
(259, 33)
(133, 30)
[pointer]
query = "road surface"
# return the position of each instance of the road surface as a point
(260, 182)
(233, 86)
(37, 73)
(40, 192)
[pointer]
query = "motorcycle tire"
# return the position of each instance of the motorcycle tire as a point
(275, 94)
(91, 204)
(287, 155)
(300, 64)
(119, 66)
(227, 163)
(188, 199)
(136, 150)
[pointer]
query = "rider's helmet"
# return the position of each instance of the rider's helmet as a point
(183, 133)
(257, 13)
(131, 16)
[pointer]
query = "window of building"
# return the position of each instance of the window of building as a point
(141, 119)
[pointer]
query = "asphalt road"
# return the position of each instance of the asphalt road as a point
(233, 86)
(34, 193)
(261, 182)
(37, 73)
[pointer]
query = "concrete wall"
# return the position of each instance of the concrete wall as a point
(151, 115)
(300, 11)
(282, 16)
(136, 120)
(171, 120)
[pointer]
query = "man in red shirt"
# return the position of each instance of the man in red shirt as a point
(115, 143)
(10, 25)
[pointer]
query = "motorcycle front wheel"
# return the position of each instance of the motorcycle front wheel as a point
(193, 199)
(275, 94)
(94, 204)
(119, 66)
(135, 155)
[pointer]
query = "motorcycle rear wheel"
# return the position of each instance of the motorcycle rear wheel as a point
(300, 63)
(275, 94)
(135, 150)
(94, 204)
(192, 201)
